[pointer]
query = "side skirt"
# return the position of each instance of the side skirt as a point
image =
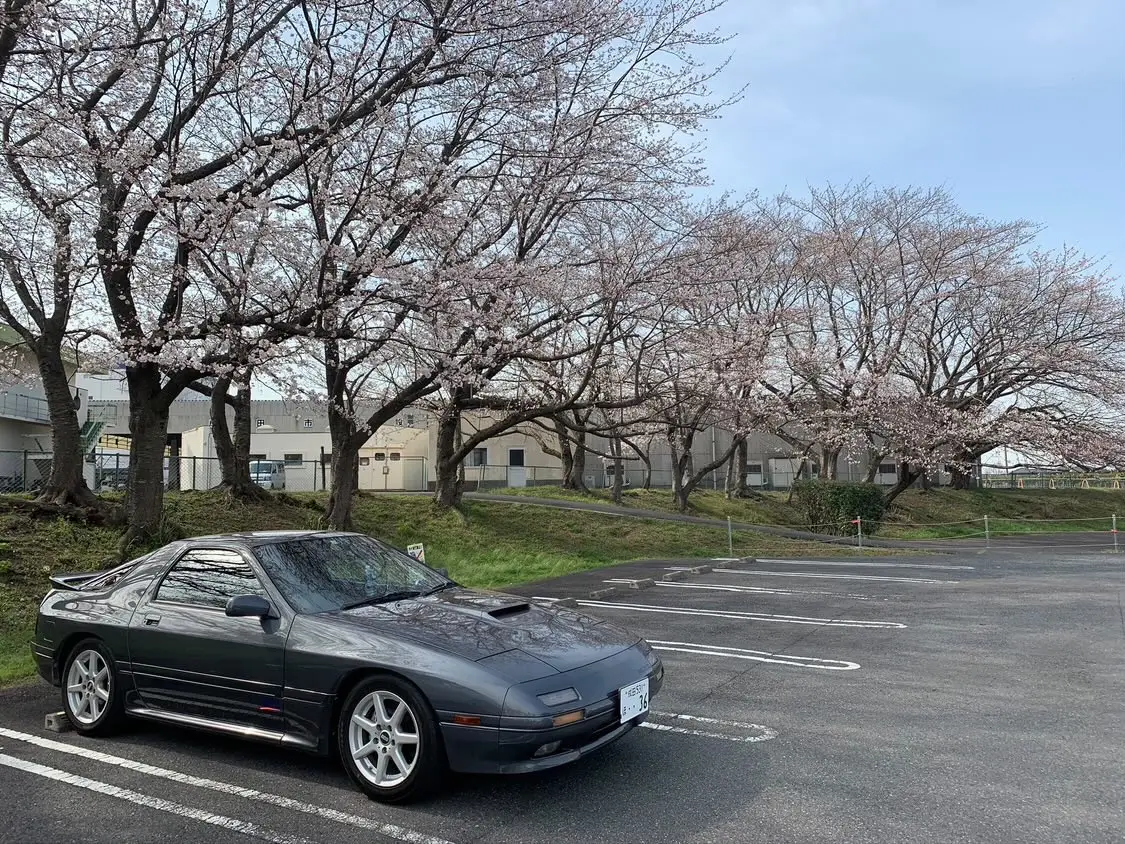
(238, 730)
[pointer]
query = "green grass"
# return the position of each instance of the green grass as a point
(497, 545)
(934, 514)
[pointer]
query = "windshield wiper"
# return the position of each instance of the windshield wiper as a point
(383, 599)
(449, 584)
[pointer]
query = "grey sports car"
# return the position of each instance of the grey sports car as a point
(335, 642)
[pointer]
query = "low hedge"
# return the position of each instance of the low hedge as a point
(831, 507)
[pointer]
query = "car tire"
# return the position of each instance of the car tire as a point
(91, 693)
(389, 742)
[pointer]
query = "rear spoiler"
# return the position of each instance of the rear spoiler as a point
(73, 582)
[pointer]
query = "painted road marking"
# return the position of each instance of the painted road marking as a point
(763, 733)
(387, 830)
(739, 615)
(832, 576)
(865, 564)
(788, 660)
(161, 805)
(725, 587)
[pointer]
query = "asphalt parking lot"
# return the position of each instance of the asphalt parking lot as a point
(976, 696)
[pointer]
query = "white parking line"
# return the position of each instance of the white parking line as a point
(764, 733)
(387, 830)
(725, 587)
(161, 805)
(864, 564)
(739, 615)
(833, 576)
(788, 660)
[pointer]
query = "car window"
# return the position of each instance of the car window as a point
(209, 577)
(325, 573)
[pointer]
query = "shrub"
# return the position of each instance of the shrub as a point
(830, 507)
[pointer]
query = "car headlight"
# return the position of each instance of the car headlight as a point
(558, 698)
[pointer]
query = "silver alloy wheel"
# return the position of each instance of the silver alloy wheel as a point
(87, 687)
(383, 739)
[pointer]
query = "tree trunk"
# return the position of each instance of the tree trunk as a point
(346, 442)
(566, 452)
(148, 431)
(643, 455)
(961, 475)
(66, 484)
(578, 463)
(925, 481)
(872, 469)
(830, 463)
(680, 449)
(448, 486)
(907, 475)
(736, 486)
(618, 468)
(233, 451)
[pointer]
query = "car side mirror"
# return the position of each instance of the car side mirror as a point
(250, 605)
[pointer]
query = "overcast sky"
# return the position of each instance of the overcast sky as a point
(1016, 106)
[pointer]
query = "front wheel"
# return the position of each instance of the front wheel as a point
(389, 741)
(91, 695)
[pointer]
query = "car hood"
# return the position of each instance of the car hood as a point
(476, 625)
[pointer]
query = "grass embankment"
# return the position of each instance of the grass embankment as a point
(936, 514)
(498, 545)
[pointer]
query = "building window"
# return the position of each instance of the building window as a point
(259, 423)
(887, 469)
(308, 423)
(257, 457)
(294, 459)
(515, 457)
(410, 420)
(326, 458)
(396, 455)
(365, 461)
(380, 456)
(753, 468)
(478, 457)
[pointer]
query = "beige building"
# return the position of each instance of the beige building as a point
(393, 459)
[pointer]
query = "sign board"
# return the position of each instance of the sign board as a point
(418, 552)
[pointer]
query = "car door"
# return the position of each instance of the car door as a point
(190, 658)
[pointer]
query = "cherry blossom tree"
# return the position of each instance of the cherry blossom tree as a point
(1016, 343)
(161, 121)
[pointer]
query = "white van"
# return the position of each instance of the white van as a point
(269, 474)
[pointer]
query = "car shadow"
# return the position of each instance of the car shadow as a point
(679, 785)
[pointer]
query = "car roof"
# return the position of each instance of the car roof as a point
(255, 538)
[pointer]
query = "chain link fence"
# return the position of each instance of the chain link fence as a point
(108, 471)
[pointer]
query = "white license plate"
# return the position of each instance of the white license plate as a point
(634, 700)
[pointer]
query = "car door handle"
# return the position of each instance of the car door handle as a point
(152, 620)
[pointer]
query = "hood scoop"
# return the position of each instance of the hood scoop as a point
(510, 609)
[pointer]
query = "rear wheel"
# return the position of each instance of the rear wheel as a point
(91, 695)
(389, 741)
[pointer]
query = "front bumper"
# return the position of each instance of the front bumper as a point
(510, 749)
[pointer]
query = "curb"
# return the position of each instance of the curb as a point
(598, 594)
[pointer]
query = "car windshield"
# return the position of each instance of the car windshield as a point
(326, 573)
